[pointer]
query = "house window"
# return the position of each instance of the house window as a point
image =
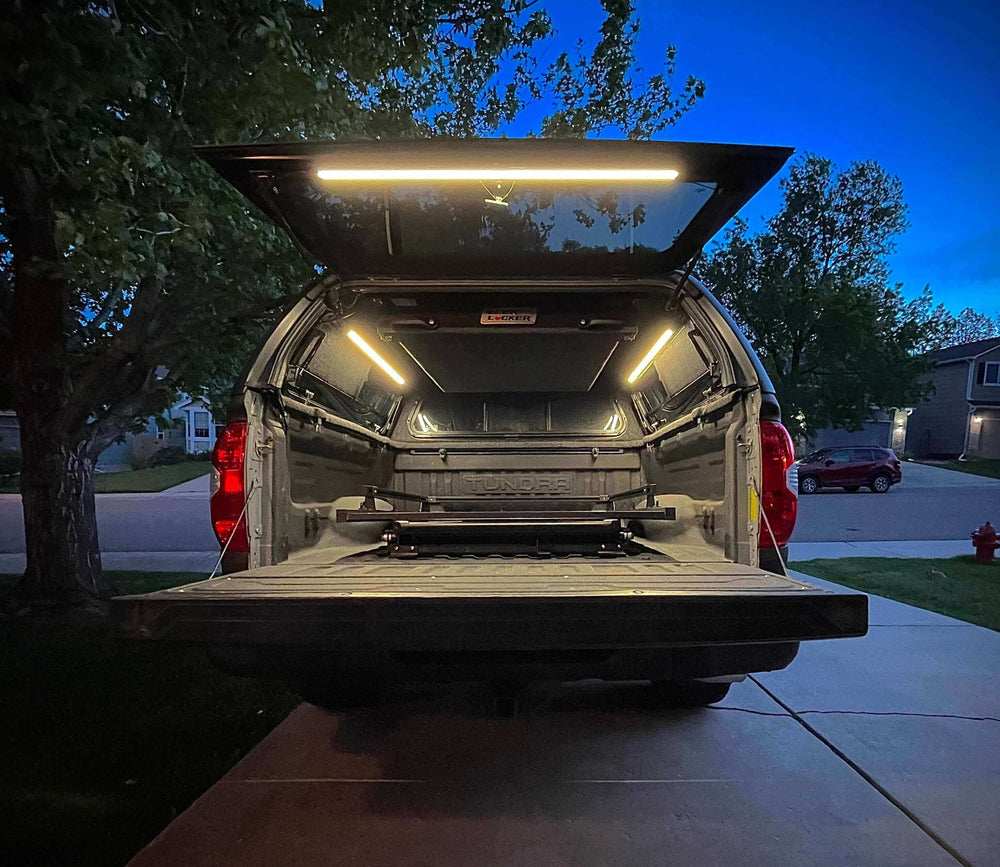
(991, 374)
(202, 420)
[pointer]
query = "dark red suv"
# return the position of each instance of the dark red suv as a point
(850, 469)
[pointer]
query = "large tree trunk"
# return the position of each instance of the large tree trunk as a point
(57, 488)
(60, 521)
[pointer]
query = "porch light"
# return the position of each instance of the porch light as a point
(359, 341)
(647, 359)
(484, 175)
(977, 418)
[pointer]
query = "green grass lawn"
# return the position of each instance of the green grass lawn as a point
(105, 742)
(151, 479)
(958, 587)
(977, 466)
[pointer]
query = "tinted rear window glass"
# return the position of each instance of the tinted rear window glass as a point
(469, 217)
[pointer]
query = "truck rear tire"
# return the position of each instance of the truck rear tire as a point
(688, 693)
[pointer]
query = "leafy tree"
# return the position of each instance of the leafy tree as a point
(128, 270)
(970, 325)
(811, 292)
(936, 321)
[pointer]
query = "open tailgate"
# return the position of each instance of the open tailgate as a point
(494, 604)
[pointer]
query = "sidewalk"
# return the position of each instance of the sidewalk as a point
(932, 549)
(134, 561)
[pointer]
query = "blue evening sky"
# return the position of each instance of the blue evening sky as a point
(915, 86)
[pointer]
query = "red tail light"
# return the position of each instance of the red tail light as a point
(229, 488)
(778, 501)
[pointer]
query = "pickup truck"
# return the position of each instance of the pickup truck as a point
(506, 435)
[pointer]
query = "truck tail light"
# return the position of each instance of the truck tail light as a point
(778, 501)
(229, 487)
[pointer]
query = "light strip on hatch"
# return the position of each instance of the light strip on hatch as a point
(498, 174)
(359, 341)
(649, 356)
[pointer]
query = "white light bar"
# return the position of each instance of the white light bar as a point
(649, 356)
(359, 341)
(484, 175)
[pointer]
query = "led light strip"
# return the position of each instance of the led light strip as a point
(649, 356)
(359, 341)
(497, 174)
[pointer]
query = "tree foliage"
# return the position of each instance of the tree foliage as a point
(811, 291)
(970, 325)
(128, 270)
(942, 329)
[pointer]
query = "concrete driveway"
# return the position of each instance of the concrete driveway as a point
(930, 503)
(881, 750)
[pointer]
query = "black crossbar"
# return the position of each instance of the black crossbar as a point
(349, 516)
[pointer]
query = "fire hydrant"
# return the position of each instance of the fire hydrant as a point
(984, 540)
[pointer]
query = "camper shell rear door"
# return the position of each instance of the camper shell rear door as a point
(536, 208)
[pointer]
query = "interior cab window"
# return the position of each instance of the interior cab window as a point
(334, 374)
(677, 379)
(527, 414)
(841, 457)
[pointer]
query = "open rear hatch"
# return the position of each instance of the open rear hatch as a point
(499, 207)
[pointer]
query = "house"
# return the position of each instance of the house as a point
(884, 427)
(187, 425)
(962, 416)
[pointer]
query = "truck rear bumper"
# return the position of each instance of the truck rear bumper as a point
(618, 616)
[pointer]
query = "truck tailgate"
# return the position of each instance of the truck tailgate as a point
(494, 603)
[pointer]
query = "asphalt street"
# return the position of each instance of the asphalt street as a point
(931, 503)
(176, 520)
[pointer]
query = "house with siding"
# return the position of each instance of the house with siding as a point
(884, 427)
(962, 416)
(187, 425)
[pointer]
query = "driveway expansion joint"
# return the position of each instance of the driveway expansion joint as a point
(903, 713)
(868, 778)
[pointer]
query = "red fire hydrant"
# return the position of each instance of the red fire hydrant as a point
(984, 540)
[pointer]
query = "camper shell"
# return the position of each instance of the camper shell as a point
(507, 433)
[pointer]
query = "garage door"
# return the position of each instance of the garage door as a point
(989, 438)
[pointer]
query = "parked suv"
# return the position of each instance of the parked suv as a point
(505, 436)
(849, 468)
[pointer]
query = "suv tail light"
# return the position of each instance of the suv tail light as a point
(779, 502)
(229, 488)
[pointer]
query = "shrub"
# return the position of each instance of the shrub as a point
(167, 455)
